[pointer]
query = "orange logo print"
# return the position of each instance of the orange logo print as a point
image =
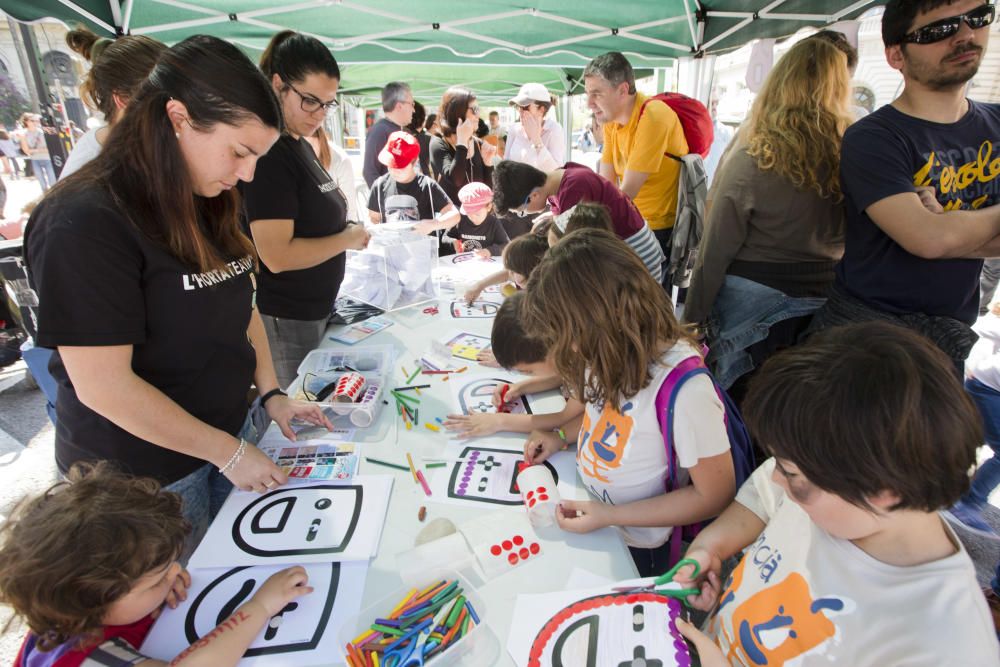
(604, 446)
(780, 623)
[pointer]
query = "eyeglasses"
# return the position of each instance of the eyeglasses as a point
(519, 211)
(311, 104)
(474, 109)
(979, 17)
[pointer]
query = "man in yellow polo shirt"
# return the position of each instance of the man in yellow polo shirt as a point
(634, 148)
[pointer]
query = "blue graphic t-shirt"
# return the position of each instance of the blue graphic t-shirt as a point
(889, 152)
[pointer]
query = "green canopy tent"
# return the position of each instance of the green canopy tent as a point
(500, 44)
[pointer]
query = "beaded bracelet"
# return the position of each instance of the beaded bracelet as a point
(235, 458)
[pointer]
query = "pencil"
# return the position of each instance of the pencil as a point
(413, 471)
(379, 462)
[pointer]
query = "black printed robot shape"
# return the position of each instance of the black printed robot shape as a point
(299, 521)
(287, 631)
(628, 629)
(489, 476)
(477, 397)
(463, 309)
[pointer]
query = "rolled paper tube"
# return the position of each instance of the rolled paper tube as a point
(361, 416)
(540, 494)
(350, 388)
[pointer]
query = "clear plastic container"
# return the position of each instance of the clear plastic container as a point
(326, 365)
(479, 647)
(394, 271)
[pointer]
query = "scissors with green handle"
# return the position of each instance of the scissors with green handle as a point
(664, 584)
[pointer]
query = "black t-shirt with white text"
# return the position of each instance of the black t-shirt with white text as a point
(888, 153)
(100, 282)
(291, 184)
(489, 235)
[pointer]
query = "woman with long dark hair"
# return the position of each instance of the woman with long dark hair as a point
(145, 288)
(458, 157)
(296, 211)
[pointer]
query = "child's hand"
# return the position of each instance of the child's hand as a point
(540, 445)
(472, 294)
(708, 581)
(283, 587)
(486, 358)
(711, 655)
(482, 253)
(178, 590)
(472, 426)
(514, 392)
(582, 516)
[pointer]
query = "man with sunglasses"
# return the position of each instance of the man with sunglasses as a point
(398, 106)
(918, 178)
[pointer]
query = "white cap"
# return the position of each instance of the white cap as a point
(531, 92)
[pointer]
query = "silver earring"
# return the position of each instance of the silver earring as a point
(177, 134)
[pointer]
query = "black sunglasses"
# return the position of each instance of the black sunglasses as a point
(980, 17)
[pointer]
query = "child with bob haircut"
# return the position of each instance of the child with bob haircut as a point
(585, 215)
(847, 560)
(520, 257)
(609, 328)
(515, 349)
(90, 563)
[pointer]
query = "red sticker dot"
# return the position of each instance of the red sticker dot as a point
(495, 550)
(523, 553)
(540, 489)
(512, 558)
(531, 503)
(543, 498)
(530, 495)
(535, 548)
(507, 545)
(518, 540)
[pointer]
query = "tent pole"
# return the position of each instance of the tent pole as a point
(568, 123)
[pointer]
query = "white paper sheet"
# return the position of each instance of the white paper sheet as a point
(298, 524)
(502, 541)
(473, 392)
(487, 477)
(596, 627)
(304, 633)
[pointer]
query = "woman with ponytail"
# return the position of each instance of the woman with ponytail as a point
(145, 288)
(117, 69)
(296, 211)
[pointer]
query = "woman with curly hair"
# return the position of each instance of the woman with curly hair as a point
(775, 228)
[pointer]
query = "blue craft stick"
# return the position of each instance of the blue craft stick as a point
(444, 591)
(472, 612)
(439, 420)
(410, 634)
(388, 622)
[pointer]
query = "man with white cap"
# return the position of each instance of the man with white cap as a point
(536, 140)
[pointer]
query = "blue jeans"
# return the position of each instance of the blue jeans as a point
(743, 314)
(987, 477)
(37, 359)
(44, 172)
(202, 494)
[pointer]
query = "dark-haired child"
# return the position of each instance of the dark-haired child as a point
(520, 257)
(847, 560)
(515, 349)
(478, 230)
(585, 215)
(90, 563)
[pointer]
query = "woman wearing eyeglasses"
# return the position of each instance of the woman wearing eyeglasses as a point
(297, 214)
(536, 140)
(458, 157)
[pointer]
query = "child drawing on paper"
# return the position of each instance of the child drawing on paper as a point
(91, 562)
(609, 327)
(841, 526)
(516, 350)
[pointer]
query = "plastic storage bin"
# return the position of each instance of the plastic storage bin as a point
(328, 364)
(479, 647)
(394, 271)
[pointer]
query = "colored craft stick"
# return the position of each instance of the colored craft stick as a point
(409, 426)
(423, 482)
(404, 397)
(432, 427)
(462, 369)
(442, 464)
(375, 661)
(403, 368)
(388, 630)
(415, 373)
(448, 589)
(472, 612)
(445, 378)
(434, 372)
(387, 465)
(455, 611)
(417, 389)
(416, 416)
(439, 420)
(413, 471)
(363, 636)
(415, 386)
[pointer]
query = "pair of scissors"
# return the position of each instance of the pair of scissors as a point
(412, 654)
(666, 581)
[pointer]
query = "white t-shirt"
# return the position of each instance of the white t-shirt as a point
(549, 157)
(805, 598)
(984, 359)
(86, 149)
(621, 456)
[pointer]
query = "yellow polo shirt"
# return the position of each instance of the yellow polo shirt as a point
(640, 146)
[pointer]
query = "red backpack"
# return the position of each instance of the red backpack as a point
(695, 121)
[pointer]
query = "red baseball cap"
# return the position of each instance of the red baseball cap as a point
(400, 151)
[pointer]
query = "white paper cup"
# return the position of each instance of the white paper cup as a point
(540, 494)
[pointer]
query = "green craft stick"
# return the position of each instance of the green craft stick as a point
(415, 374)
(404, 397)
(435, 465)
(386, 463)
(453, 616)
(396, 632)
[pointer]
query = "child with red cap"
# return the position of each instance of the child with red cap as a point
(436, 213)
(479, 229)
